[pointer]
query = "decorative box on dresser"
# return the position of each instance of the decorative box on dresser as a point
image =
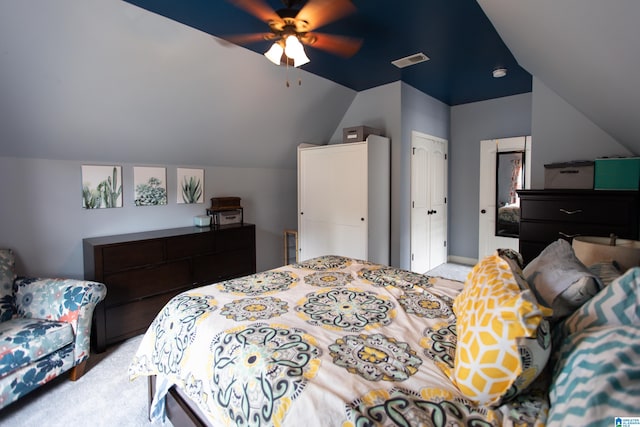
(546, 215)
(143, 271)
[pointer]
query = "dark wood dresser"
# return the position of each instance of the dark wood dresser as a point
(546, 215)
(142, 271)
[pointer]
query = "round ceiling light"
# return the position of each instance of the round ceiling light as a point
(499, 72)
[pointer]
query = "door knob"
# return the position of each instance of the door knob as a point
(483, 211)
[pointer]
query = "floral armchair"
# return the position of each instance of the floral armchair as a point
(45, 328)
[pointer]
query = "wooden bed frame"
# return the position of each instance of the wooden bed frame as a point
(178, 407)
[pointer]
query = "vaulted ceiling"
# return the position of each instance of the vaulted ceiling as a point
(587, 51)
(462, 44)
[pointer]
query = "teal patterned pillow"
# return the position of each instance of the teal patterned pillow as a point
(597, 377)
(617, 304)
(7, 276)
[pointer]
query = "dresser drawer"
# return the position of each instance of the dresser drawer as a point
(574, 210)
(122, 257)
(134, 318)
(187, 246)
(222, 266)
(235, 238)
(551, 231)
(143, 282)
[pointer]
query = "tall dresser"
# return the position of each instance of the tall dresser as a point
(143, 271)
(547, 215)
(344, 200)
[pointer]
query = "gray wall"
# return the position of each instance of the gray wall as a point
(470, 124)
(397, 109)
(380, 108)
(42, 218)
(562, 133)
(424, 114)
(104, 82)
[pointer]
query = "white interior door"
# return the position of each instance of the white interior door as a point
(333, 201)
(488, 242)
(428, 202)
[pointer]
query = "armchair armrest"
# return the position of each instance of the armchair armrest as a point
(64, 300)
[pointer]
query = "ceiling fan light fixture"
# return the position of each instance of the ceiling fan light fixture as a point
(293, 49)
(274, 54)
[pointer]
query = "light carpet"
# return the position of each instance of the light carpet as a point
(103, 396)
(451, 271)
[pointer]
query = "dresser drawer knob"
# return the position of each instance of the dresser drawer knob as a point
(570, 212)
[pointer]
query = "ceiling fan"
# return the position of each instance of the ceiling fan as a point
(292, 27)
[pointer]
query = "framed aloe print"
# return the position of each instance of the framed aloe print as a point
(150, 186)
(190, 185)
(101, 186)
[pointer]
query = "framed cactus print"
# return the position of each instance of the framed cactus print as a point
(190, 186)
(150, 186)
(101, 186)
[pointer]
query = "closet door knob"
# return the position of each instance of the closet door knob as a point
(483, 211)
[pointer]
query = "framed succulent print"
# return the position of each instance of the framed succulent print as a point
(101, 186)
(150, 186)
(190, 186)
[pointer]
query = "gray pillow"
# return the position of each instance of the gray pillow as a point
(559, 280)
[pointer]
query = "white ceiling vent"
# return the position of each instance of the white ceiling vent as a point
(416, 58)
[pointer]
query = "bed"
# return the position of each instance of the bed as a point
(508, 220)
(335, 341)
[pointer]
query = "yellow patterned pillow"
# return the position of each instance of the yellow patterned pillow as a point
(503, 340)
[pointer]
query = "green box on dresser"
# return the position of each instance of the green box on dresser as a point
(143, 271)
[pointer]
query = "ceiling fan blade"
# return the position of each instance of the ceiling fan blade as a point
(247, 38)
(321, 12)
(338, 45)
(258, 8)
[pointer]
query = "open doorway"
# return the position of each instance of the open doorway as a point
(503, 171)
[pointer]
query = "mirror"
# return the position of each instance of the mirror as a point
(509, 179)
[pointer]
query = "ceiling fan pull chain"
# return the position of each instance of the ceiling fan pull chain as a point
(286, 72)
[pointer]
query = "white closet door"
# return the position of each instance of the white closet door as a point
(428, 202)
(333, 201)
(438, 195)
(420, 241)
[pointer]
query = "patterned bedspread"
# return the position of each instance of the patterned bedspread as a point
(331, 341)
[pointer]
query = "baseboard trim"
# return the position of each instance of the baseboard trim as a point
(462, 260)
